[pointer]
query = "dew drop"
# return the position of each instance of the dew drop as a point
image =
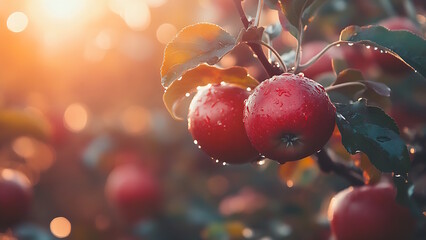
(223, 83)
(350, 44)
(180, 78)
(368, 46)
(187, 94)
(224, 163)
(376, 48)
(199, 146)
(195, 142)
(248, 89)
(261, 162)
(217, 161)
(381, 51)
(338, 45)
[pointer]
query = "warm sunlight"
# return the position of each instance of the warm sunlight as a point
(63, 9)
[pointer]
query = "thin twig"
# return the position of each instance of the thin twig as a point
(327, 165)
(343, 85)
(298, 51)
(316, 57)
(256, 47)
(277, 55)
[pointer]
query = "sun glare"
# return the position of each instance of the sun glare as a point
(63, 9)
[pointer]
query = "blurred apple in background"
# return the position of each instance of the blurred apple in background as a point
(15, 198)
(134, 192)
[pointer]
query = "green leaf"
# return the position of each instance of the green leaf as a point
(300, 11)
(369, 130)
(406, 46)
(194, 45)
(311, 11)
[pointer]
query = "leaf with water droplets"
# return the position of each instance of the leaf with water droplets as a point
(201, 76)
(406, 46)
(194, 45)
(369, 130)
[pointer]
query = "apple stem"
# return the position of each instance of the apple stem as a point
(316, 57)
(298, 50)
(326, 164)
(256, 47)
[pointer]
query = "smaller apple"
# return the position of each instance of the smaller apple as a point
(134, 192)
(215, 121)
(369, 212)
(289, 117)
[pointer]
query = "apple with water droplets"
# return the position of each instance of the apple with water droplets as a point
(215, 121)
(369, 212)
(289, 117)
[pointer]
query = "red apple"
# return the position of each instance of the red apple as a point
(215, 121)
(134, 192)
(323, 64)
(386, 61)
(289, 117)
(369, 212)
(15, 198)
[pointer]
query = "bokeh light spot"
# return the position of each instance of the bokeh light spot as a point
(166, 32)
(23, 147)
(60, 227)
(135, 120)
(17, 22)
(76, 117)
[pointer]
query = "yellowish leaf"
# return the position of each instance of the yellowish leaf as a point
(201, 76)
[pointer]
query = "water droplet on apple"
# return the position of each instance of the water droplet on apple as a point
(195, 142)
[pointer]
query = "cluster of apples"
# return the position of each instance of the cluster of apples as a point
(285, 118)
